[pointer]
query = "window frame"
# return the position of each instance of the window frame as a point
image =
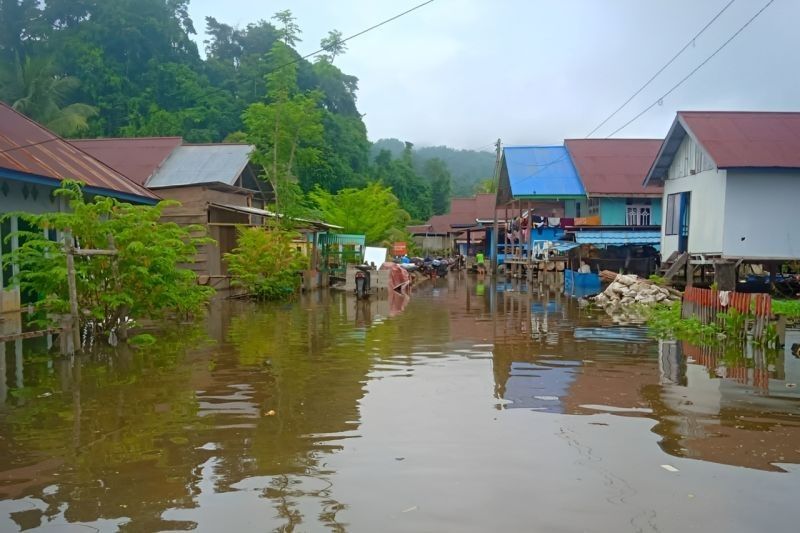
(672, 222)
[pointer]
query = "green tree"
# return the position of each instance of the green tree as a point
(411, 189)
(438, 175)
(333, 45)
(265, 263)
(373, 211)
(34, 89)
(142, 281)
(487, 185)
(289, 31)
(287, 132)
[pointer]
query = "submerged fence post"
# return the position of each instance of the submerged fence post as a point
(73, 292)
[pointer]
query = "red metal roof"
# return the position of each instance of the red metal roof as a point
(27, 147)
(615, 167)
(463, 212)
(747, 139)
(137, 158)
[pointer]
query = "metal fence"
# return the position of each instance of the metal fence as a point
(748, 314)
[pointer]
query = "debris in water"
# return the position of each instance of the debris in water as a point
(547, 398)
(669, 468)
(414, 508)
(271, 412)
(613, 409)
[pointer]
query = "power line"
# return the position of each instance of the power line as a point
(28, 145)
(342, 41)
(698, 67)
(662, 69)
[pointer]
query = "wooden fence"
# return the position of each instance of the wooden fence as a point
(708, 305)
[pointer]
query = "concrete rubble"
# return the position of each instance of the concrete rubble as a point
(628, 289)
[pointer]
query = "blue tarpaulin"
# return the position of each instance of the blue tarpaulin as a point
(541, 171)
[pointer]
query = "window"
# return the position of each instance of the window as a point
(672, 224)
(637, 215)
(594, 206)
(577, 209)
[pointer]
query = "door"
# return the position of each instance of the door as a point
(683, 239)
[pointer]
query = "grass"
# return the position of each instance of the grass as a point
(788, 308)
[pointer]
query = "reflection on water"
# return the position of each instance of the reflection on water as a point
(470, 407)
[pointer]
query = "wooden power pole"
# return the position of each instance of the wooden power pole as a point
(496, 232)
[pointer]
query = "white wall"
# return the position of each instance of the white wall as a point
(762, 214)
(705, 216)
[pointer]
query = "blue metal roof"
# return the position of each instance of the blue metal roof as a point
(541, 171)
(617, 237)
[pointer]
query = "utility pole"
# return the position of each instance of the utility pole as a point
(495, 235)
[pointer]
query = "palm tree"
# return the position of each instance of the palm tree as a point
(33, 88)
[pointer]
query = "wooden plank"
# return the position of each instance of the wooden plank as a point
(89, 252)
(679, 263)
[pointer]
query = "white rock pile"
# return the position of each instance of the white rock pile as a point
(628, 289)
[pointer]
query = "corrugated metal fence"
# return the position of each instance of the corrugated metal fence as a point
(754, 311)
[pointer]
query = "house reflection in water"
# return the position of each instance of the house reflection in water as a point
(738, 408)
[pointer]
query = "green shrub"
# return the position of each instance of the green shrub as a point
(265, 263)
(142, 281)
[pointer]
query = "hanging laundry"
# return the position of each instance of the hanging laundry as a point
(724, 298)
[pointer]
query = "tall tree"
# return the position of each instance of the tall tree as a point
(289, 31)
(439, 177)
(333, 45)
(287, 131)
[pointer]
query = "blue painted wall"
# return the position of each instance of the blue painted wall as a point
(612, 211)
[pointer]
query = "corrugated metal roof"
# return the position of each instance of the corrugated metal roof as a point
(202, 163)
(615, 167)
(735, 139)
(31, 149)
(137, 158)
(617, 237)
(540, 171)
(747, 139)
(342, 238)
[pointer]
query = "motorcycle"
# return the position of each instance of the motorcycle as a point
(363, 288)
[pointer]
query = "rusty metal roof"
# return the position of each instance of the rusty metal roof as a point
(30, 151)
(137, 158)
(615, 167)
(747, 139)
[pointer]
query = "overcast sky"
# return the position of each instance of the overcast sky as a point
(465, 72)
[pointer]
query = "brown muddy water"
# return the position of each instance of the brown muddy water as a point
(468, 408)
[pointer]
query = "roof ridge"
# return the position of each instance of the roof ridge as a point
(720, 112)
(626, 139)
(152, 137)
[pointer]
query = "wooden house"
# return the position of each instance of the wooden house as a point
(731, 187)
(216, 185)
(625, 216)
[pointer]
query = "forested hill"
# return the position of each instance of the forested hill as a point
(467, 167)
(122, 68)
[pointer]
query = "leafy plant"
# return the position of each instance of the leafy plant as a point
(265, 263)
(143, 280)
(373, 211)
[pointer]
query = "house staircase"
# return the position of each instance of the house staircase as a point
(674, 263)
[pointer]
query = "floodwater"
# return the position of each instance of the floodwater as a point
(470, 407)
